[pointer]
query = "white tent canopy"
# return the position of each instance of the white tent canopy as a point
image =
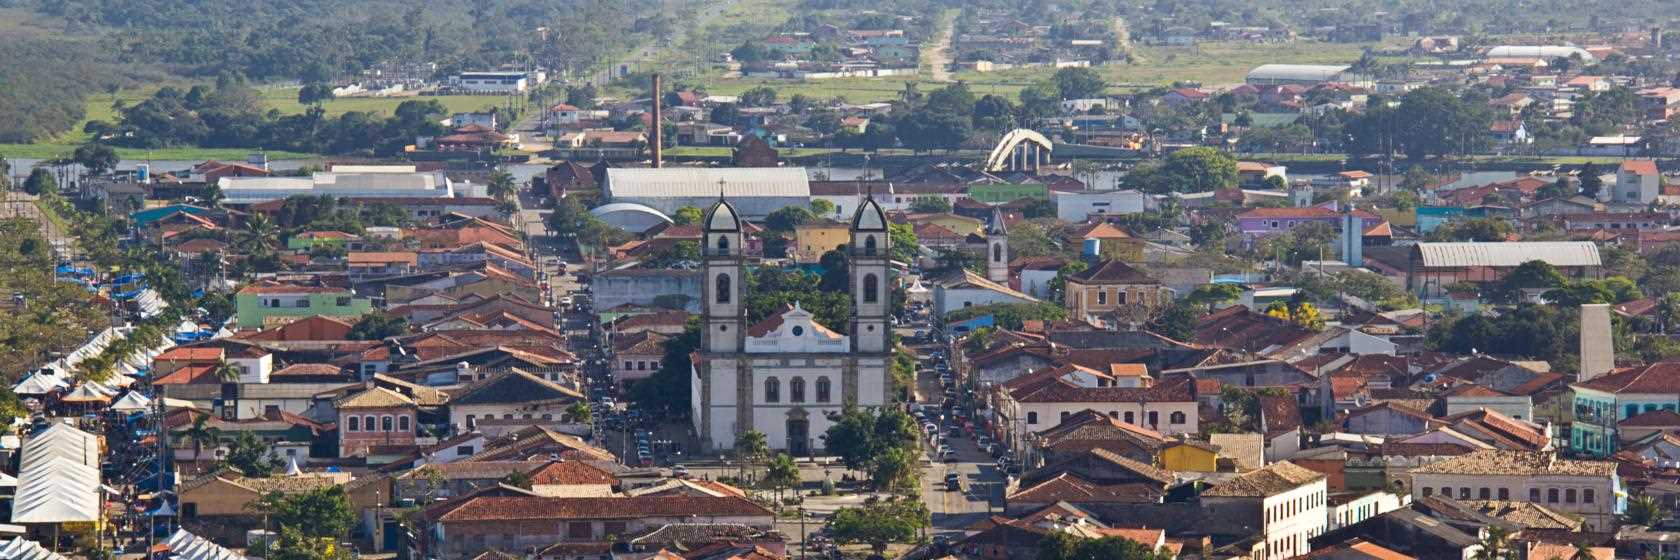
(59, 478)
(39, 383)
(88, 392)
(20, 548)
(187, 546)
(132, 402)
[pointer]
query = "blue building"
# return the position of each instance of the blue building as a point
(1602, 403)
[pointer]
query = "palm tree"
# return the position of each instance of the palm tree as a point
(225, 372)
(1643, 510)
(96, 368)
(201, 434)
(502, 186)
(751, 446)
(259, 236)
(507, 208)
(783, 473)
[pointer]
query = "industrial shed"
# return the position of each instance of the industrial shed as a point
(754, 191)
(1539, 51)
(1434, 266)
(1302, 74)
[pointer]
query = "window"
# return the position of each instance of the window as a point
(464, 450)
(1587, 496)
(869, 245)
(723, 288)
(871, 288)
(1551, 495)
(1154, 418)
(1427, 491)
(1569, 496)
(579, 530)
(1504, 494)
(1632, 409)
(1534, 495)
(1129, 419)
(471, 424)
(796, 390)
(1064, 416)
(402, 423)
(1177, 418)
(303, 302)
(1102, 298)
(1032, 417)
(822, 389)
(1120, 298)
(723, 245)
(997, 252)
(368, 423)
(1464, 492)
(343, 301)
(628, 365)
(355, 424)
(772, 390)
(386, 424)
(1484, 494)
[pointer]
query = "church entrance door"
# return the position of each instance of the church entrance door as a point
(799, 436)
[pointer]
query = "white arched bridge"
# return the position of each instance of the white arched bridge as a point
(1020, 150)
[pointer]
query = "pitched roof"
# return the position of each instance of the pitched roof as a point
(1640, 167)
(512, 387)
(1112, 272)
(1517, 463)
(376, 397)
(1069, 487)
(1273, 479)
(540, 508)
(1660, 377)
(1655, 418)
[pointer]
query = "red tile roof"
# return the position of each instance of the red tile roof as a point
(1640, 166)
(511, 508)
(1657, 378)
(191, 354)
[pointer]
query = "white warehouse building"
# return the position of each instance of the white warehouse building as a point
(1305, 74)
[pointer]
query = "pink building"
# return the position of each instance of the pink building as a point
(375, 417)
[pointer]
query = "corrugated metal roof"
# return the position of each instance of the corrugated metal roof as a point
(1509, 254)
(1319, 72)
(696, 181)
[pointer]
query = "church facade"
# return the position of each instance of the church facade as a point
(787, 375)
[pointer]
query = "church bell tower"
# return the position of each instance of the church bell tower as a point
(724, 267)
(871, 296)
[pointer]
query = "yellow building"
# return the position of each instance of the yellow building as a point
(962, 225)
(1190, 456)
(813, 239)
(1113, 288)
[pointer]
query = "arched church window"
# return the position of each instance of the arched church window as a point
(871, 288)
(997, 252)
(772, 390)
(796, 390)
(822, 389)
(869, 245)
(723, 245)
(723, 288)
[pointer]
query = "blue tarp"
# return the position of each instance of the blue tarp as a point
(971, 324)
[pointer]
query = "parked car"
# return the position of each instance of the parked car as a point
(953, 482)
(679, 471)
(948, 456)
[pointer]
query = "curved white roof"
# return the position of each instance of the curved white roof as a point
(1539, 51)
(630, 216)
(1509, 253)
(1298, 72)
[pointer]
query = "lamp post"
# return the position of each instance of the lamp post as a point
(802, 534)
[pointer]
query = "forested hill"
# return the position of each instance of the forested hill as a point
(286, 40)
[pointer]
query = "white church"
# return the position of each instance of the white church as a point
(786, 375)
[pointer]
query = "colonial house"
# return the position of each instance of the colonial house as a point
(375, 421)
(461, 529)
(511, 395)
(1589, 489)
(1285, 501)
(1113, 292)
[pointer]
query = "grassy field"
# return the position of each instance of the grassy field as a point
(1210, 64)
(100, 107)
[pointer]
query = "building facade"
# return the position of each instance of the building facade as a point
(785, 375)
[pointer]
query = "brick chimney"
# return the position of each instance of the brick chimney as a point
(658, 132)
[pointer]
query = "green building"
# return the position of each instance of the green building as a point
(257, 302)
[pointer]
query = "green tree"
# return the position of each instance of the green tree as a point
(665, 394)
(378, 326)
(517, 479)
(293, 544)
(1496, 545)
(250, 456)
(40, 182)
(782, 474)
(688, 216)
(225, 372)
(1530, 275)
(96, 158)
(1178, 321)
(1211, 295)
(751, 446)
(1198, 169)
(1644, 510)
(994, 112)
(1078, 83)
(1039, 101)
(761, 96)
(905, 247)
(930, 205)
(821, 207)
(1591, 180)
(502, 185)
(786, 218)
(880, 523)
(580, 412)
(201, 434)
(324, 512)
(1473, 229)
(1063, 546)
(315, 94)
